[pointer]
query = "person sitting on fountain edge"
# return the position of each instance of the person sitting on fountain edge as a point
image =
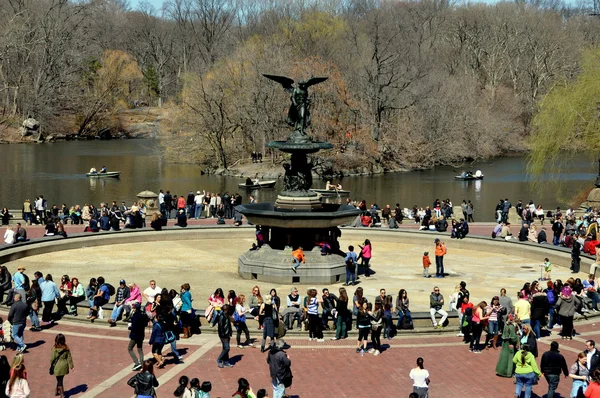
(298, 256)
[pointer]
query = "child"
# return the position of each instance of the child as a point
(262, 393)
(547, 269)
(298, 257)
(426, 264)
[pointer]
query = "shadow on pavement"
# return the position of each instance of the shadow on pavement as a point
(76, 390)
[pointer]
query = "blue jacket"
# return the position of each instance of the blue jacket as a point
(49, 290)
(158, 334)
(19, 280)
(186, 300)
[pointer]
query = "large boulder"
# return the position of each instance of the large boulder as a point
(31, 124)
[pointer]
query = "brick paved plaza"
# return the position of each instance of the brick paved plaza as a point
(102, 365)
(329, 369)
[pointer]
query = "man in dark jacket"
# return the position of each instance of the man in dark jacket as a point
(557, 228)
(139, 321)
(523, 233)
(553, 363)
(593, 357)
(121, 295)
(328, 305)
(542, 238)
(225, 332)
(279, 366)
(17, 316)
(576, 256)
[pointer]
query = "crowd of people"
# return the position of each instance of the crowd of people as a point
(430, 218)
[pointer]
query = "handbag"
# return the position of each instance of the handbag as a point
(51, 370)
(170, 336)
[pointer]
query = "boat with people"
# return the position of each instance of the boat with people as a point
(108, 174)
(331, 190)
(258, 184)
(469, 176)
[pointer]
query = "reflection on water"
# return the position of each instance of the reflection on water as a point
(58, 172)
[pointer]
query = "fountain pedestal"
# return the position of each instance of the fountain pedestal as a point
(298, 217)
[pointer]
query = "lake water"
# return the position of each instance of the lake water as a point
(57, 171)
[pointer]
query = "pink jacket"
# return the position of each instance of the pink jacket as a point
(134, 295)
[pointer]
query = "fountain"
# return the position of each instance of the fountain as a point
(298, 217)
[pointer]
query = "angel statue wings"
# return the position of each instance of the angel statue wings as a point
(299, 113)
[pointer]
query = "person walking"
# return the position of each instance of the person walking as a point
(137, 332)
(17, 316)
(157, 340)
(365, 254)
(61, 361)
(341, 315)
(526, 371)
(144, 382)
(279, 369)
(553, 363)
(565, 306)
(440, 251)
(420, 378)
(225, 332)
(350, 261)
(17, 386)
(505, 366)
(266, 312)
(579, 373)
(49, 295)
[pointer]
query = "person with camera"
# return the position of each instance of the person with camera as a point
(280, 369)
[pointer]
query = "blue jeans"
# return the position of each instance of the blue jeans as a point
(552, 318)
(198, 212)
(526, 380)
(388, 326)
(278, 390)
(439, 266)
(116, 312)
(595, 299)
(296, 262)
(224, 355)
(493, 328)
(17, 332)
(576, 385)
(552, 384)
(174, 349)
(556, 240)
(535, 325)
(350, 275)
(402, 315)
(35, 320)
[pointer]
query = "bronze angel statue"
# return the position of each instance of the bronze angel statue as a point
(299, 113)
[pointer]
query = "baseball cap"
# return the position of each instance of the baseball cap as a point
(197, 192)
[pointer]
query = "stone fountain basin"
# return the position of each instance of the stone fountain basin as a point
(328, 216)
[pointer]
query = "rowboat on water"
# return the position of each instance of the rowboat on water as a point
(108, 174)
(331, 192)
(261, 184)
(468, 178)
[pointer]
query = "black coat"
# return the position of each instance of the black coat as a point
(139, 321)
(224, 325)
(144, 383)
(595, 361)
(542, 236)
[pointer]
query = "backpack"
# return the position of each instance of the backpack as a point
(111, 289)
(26, 283)
(551, 297)
(351, 265)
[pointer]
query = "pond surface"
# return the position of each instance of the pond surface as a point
(57, 171)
